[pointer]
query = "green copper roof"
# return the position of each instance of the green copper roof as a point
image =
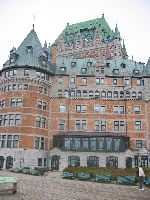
(87, 29)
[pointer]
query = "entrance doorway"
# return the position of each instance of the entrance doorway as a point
(1, 162)
(128, 162)
(55, 162)
(144, 161)
(9, 162)
(112, 162)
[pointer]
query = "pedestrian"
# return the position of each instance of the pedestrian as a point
(141, 177)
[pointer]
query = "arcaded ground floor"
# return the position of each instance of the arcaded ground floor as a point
(53, 187)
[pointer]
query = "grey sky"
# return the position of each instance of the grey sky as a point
(51, 17)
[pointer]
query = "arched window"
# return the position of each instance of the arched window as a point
(60, 93)
(97, 94)
(109, 94)
(133, 94)
(139, 95)
(121, 95)
(73, 161)
(115, 94)
(78, 93)
(127, 94)
(92, 161)
(72, 93)
(112, 162)
(90, 93)
(103, 94)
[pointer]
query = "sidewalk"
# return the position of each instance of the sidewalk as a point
(52, 187)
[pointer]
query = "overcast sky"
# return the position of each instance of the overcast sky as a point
(51, 17)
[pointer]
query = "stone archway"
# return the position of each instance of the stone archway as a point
(1, 162)
(9, 162)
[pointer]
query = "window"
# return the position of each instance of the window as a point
(39, 143)
(138, 82)
(81, 108)
(89, 64)
(137, 109)
(102, 81)
(133, 94)
(116, 144)
(127, 82)
(80, 125)
(103, 94)
(84, 70)
(93, 161)
(91, 94)
(119, 109)
(2, 103)
(100, 109)
(115, 94)
(119, 126)
(73, 64)
(10, 120)
(97, 81)
(11, 73)
(43, 90)
(121, 94)
(138, 126)
(9, 141)
(72, 80)
(42, 105)
(60, 80)
(78, 94)
(26, 72)
(63, 69)
(139, 144)
(109, 94)
(61, 125)
(73, 161)
(139, 95)
(97, 94)
(100, 125)
(115, 71)
(84, 93)
(59, 93)
(115, 81)
(39, 162)
(100, 144)
(42, 75)
(102, 70)
(108, 144)
(84, 81)
(62, 108)
(40, 122)
(16, 102)
(127, 94)
(136, 72)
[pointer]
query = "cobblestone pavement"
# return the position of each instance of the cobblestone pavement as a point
(52, 187)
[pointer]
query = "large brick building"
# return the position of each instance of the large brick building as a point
(80, 101)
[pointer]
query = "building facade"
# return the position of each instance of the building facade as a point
(79, 102)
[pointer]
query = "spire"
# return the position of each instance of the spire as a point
(45, 45)
(117, 33)
(125, 55)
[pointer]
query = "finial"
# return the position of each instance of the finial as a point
(103, 15)
(33, 26)
(33, 21)
(132, 57)
(67, 23)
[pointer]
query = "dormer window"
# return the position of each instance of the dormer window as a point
(63, 69)
(11, 60)
(89, 64)
(29, 49)
(123, 65)
(116, 71)
(107, 64)
(136, 71)
(73, 64)
(84, 70)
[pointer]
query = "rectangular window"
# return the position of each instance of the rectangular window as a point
(80, 125)
(127, 82)
(84, 81)
(100, 125)
(39, 143)
(84, 70)
(72, 80)
(137, 109)
(97, 81)
(42, 105)
(115, 82)
(40, 122)
(60, 80)
(119, 126)
(39, 162)
(63, 69)
(9, 141)
(119, 109)
(138, 126)
(61, 125)
(2, 103)
(139, 144)
(81, 108)
(116, 71)
(62, 108)
(100, 109)
(26, 72)
(16, 102)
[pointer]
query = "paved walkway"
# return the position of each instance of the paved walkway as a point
(52, 187)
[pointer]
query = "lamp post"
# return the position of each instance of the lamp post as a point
(125, 104)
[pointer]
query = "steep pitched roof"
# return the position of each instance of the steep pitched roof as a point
(90, 25)
(30, 53)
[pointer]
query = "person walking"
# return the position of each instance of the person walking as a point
(141, 177)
